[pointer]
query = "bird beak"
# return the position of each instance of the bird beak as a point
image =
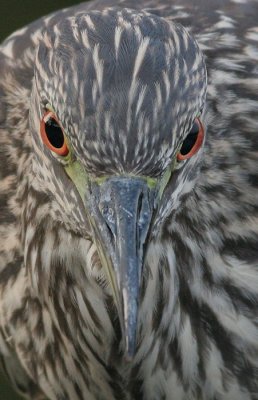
(121, 210)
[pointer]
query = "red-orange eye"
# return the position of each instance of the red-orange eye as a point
(52, 134)
(192, 142)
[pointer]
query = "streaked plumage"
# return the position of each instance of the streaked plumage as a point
(126, 85)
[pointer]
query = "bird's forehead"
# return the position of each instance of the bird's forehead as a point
(123, 76)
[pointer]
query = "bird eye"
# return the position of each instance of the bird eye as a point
(192, 142)
(52, 134)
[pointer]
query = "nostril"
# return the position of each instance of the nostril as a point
(139, 211)
(111, 233)
(144, 216)
(107, 213)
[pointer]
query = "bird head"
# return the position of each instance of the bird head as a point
(116, 127)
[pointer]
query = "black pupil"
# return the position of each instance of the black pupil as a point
(54, 133)
(190, 139)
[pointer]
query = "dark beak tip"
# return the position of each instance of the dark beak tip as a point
(128, 358)
(130, 351)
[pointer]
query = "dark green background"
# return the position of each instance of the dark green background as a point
(14, 14)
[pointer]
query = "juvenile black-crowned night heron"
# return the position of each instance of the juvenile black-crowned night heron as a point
(129, 204)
